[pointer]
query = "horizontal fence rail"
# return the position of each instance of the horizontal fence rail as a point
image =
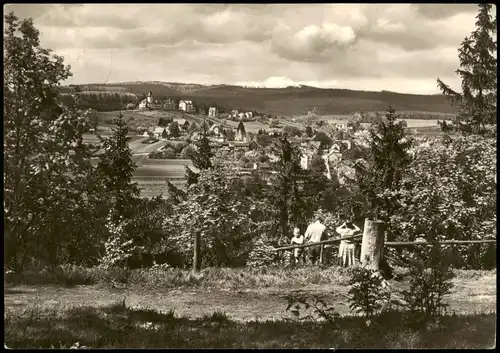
(389, 243)
(446, 242)
(329, 241)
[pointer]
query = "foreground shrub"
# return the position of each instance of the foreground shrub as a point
(430, 281)
(366, 295)
(263, 253)
(299, 304)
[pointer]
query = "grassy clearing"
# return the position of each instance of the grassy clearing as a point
(228, 308)
(228, 278)
(141, 118)
(120, 326)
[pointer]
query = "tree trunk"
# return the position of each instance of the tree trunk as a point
(196, 253)
(372, 246)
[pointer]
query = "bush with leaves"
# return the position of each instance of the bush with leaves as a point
(140, 233)
(449, 192)
(367, 296)
(187, 152)
(168, 153)
(315, 307)
(118, 248)
(219, 208)
(264, 253)
(430, 281)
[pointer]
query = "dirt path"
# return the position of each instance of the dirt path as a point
(468, 296)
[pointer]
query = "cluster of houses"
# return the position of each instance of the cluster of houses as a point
(334, 157)
(158, 130)
(149, 103)
(235, 114)
(336, 163)
(345, 169)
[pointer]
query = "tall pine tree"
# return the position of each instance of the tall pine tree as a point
(387, 159)
(478, 71)
(202, 158)
(116, 168)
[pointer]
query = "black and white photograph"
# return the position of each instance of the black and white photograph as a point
(198, 175)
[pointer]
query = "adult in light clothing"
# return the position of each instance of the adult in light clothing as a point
(314, 234)
(298, 239)
(347, 248)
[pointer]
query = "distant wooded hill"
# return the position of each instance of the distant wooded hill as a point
(287, 101)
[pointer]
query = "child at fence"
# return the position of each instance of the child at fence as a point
(298, 253)
(347, 248)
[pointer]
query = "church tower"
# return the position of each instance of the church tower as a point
(150, 98)
(241, 134)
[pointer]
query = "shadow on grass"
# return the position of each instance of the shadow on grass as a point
(118, 326)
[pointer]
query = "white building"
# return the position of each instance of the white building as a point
(147, 103)
(186, 106)
(143, 104)
(212, 111)
(304, 161)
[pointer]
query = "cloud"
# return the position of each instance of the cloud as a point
(394, 46)
(271, 82)
(443, 11)
(314, 43)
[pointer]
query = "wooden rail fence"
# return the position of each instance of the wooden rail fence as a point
(386, 244)
(372, 246)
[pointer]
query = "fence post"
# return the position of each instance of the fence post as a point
(372, 246)
(321, 253)
(196, 253)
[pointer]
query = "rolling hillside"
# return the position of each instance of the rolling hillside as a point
(284, 101)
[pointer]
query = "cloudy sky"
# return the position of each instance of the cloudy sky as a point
(396, 47)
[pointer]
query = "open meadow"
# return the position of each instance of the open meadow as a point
(165, 168)
(250, 126)
(151, 175)
(138, 118)
(227, 308)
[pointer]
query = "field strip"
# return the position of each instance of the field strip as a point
(240, 304)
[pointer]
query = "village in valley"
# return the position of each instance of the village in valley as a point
(172, 129)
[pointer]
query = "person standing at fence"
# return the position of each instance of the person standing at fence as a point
(347, 248)
(298, 239)
(314, 234)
